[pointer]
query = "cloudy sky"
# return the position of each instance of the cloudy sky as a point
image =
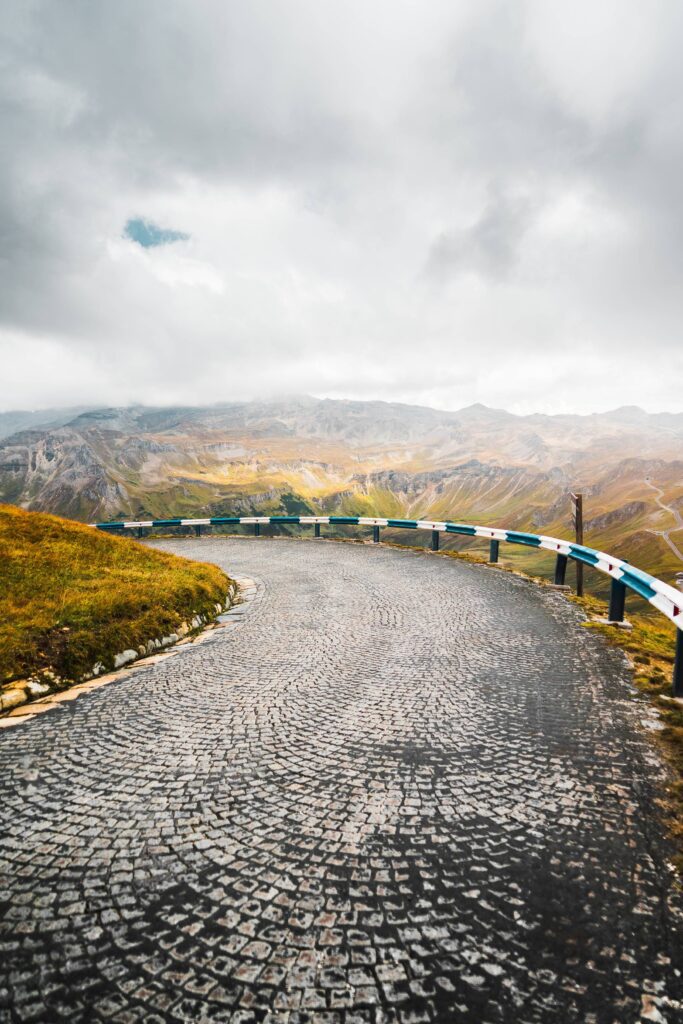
(431, 202)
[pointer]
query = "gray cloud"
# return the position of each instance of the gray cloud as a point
(444, 203)
(489, 246)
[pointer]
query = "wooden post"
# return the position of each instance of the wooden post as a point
(577, 520)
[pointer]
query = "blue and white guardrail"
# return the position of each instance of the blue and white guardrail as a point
(664, 597)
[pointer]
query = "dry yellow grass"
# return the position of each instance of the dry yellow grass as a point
(71, 596)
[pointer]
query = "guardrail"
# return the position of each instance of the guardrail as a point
(664, 597)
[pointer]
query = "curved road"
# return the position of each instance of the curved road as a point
(398, 788)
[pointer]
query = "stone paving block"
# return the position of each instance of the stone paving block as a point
(392, 790)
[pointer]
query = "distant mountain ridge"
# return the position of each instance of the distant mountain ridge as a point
(12, 422)
(326, 455)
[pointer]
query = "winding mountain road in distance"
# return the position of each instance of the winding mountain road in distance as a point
(678, 520)
(395, 788)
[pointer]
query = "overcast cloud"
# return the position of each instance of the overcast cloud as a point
(431, 202)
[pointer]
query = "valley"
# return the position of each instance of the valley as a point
(304, 455)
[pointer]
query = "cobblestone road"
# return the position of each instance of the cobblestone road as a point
(398, 788)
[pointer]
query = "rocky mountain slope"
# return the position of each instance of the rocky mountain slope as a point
(301, 453)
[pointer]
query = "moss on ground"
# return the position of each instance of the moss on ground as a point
(73, 596)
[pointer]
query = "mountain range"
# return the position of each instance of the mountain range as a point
(302, 454)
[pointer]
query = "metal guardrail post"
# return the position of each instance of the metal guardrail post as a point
(198, 530)
(375, 534)
(140, 532)
(560, 570)
(257, 529)
(617, 601)
(494, 547)
(435, 540)
(678, 665)
(317, 529)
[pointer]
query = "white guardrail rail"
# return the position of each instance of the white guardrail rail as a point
(664, 597)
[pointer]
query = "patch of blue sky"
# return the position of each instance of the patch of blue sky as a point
(148, 235)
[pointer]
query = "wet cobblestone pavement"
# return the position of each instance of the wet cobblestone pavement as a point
(396, 788)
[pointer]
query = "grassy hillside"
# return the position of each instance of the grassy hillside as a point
(72, 596)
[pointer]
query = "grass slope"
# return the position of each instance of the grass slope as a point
(72, 596)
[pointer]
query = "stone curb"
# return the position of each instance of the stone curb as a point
(26, 697)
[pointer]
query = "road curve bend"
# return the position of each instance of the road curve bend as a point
(398, 788)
